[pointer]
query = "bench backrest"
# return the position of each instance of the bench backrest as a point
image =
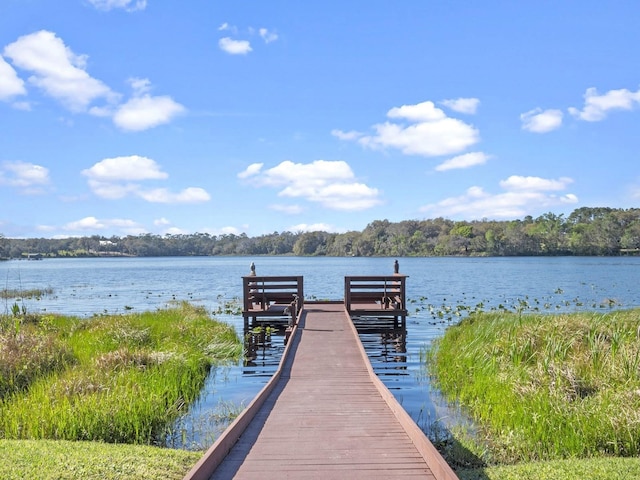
(272, 289)
(389, 290)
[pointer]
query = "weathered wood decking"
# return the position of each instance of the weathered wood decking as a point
(324, 415)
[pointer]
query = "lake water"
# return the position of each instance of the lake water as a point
(439, 292)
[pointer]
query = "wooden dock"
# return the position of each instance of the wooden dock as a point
(323, 415)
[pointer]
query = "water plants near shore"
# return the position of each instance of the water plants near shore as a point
(20, 294)
(544, 387)
(112, 378)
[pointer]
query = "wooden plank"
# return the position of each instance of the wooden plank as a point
(327, 417)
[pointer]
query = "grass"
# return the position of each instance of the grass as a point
(544, 387)
(570, 469)
(7, 293)
(64, 460)
(116, 378)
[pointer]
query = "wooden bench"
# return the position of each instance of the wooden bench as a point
(376, 296)
(272, 297)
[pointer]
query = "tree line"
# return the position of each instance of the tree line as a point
(586, 231)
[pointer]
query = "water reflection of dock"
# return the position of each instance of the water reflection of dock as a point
(324, 414)
(259, 343)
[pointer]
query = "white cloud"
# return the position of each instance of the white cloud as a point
(142, 113)
(597, 106)
(352, 135)
(161, 222)
(430, 132)
(112, 190)
(57, 71)
(128, 5)
(539, 121)
(300, 175)
(421, 112)
(242, 47)
(114, 178)
(465, 160)
(234, 47)
(462, 105)
(140, 86)
(518, 182)
(268, 36)
(162, 195)
(522, 195)
(133, 167)
(27, 177)
(428, 139)
(89, 224)
(251, 170)
(332, 184)
(226, 27)
(10, 84)
(62, 75)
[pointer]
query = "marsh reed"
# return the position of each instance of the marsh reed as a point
(546, 386)
(112, 378)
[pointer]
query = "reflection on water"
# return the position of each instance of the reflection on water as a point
(386, 346)
(398, 359)
(263, 347)
(230, 388)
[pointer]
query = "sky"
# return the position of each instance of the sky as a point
(131, 117)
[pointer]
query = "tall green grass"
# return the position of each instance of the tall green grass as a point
(28, 351)
(122, 378)
(36, 293)
(546, 387)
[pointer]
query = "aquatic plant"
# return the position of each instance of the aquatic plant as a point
(35, 293)
(27, 355)
(546, 386)
(226, 306)
(122, 378)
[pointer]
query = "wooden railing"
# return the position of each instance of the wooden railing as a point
(375, 294)
(271, 296)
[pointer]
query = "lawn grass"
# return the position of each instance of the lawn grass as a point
(546, 387)
(570, 469)
(65, 460)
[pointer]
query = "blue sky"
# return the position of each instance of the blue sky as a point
(123, 117)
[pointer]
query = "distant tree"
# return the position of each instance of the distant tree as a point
(631, 237)
(311, 243)
(586, 231)
(343, 244)
(3, 246)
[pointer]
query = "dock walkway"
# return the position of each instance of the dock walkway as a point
(326, 416)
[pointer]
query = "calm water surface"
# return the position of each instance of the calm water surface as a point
(436, 289)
